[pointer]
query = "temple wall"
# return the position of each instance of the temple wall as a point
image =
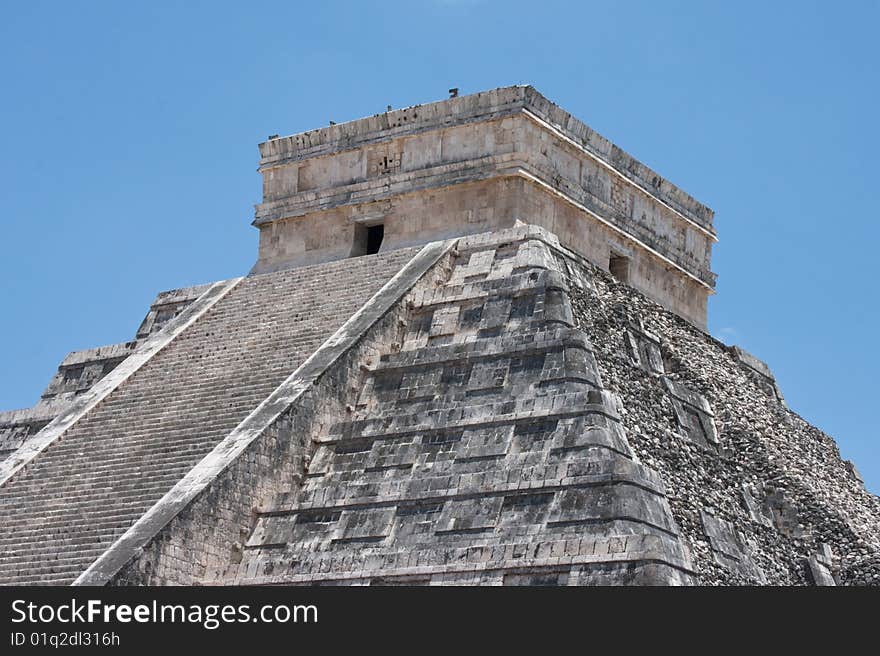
(453, 169)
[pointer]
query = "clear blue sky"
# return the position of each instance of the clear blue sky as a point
(130, 131)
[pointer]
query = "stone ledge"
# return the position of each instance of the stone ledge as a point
(442, 177)
(622, 472)
(483, 106)
(108, 352)
(478, 290)
(759, 367)
(618, 549)
(488, 348)
(47, 409)
(485, 415)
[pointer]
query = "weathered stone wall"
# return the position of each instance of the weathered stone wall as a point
(81, 370)
(479, 165)
(17, 426)
(755, 489)
(495, 104)
(166, 306)
(471, 208)
(410, 219)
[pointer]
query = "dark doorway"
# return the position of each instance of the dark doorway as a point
(375, 233)
(367, 239)
(618, 265)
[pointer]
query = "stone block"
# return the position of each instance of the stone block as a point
(467, 515)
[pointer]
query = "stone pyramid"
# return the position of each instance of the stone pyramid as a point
(472, 352)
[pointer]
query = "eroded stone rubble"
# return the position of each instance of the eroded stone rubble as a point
(790, 473)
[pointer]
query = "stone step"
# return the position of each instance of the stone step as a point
(49, 555)
(59, 533)
(181, 450)
(492, 482)
(525, 281)
(46, 579)
(62, 573)
(41, 513)
(72, 540)
(454, 419)
(103, 477)
(112, 452)
(99, 489)
(119, 518)
(107, 442)
(506, 346)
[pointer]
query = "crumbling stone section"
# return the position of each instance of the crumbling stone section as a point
(78, 373)
(17, 426)
(693, 413)
(769, 485)
(758, 513)
(644, 349)
(761, 373)
(482, 449)
(81, 370)
(729, 548)
(821, 566)
(166, 306)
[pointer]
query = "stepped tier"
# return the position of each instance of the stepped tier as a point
(485, 449)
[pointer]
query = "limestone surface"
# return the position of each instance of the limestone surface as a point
(477, 163)
(520, 417)
(471, 352)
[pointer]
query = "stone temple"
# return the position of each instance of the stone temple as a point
(472, 350)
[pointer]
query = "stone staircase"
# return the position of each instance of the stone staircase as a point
(483, 449)
(69, 504)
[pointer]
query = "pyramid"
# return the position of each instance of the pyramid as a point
(472, 351)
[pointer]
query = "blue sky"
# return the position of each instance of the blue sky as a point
(129, 133)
